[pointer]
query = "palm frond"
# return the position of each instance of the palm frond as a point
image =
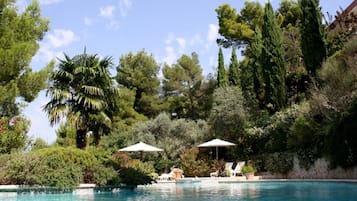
(93, 90)
(90, 102)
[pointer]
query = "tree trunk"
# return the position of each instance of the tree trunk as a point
(81, 138)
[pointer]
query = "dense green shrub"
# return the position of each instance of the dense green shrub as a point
(192, 165)
(132, 177)
(133, 172)
(56, 166)
(248, 169)
(280, 162)
(343, 136)
(13, 134)
(278, 130)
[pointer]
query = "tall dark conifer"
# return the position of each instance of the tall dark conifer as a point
(233, 71)
(254, 62)
(312, 37)
(221, 71)
(272, 61)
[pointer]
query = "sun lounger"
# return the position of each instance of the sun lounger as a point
(238, 169)
(166, 176)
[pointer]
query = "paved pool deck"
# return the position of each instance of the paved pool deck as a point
(204, 180)
(243, 179)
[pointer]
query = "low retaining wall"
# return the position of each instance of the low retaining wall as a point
(319, 170)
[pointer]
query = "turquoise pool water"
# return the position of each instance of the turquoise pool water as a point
(262, 191)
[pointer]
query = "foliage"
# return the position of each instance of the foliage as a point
(222, 78)
(118, 139)
(39, 144)
(13, 134)
(20, 34)
(248, 169)
(56, 166)
(172, 135)
(220, 166)
(253, 80)
(66, 135)
(305, 132)
(184, 81)
(234, 71)
(312, 36)
(238, 28)
(139, 73)
(279, 162)
(134, 177)
(290, 11)
(343, 136)
(133, 172)
(192, 164)
(278, 130)
(340, 31)
(228, 115)
(272, 62)
(127, 116)
(82, 91)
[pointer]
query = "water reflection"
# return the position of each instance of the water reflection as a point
(262, 191)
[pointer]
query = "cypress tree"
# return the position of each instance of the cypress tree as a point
(254, 62)
(221, 72)
(233, 71)
(272, 61)
(312, 37)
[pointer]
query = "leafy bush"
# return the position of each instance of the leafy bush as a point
(279, 128)
(58, 167)
(192, 165)
(248, 169)
(13, 134)
(280, 162)
(132, 177)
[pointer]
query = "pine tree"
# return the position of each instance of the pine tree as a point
(221, 71)
(312, 37)
(20, 34)
(272, 61)
(233, 71)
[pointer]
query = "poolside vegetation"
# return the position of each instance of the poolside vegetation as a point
(279, 104)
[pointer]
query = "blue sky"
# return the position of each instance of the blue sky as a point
(166, 29)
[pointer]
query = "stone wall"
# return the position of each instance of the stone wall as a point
(320, 170)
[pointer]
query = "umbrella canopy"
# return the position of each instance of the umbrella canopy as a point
(216, 143)
(140, 147)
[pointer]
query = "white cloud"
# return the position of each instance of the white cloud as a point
(113, 24)
(107, 11)
(48, 2)
(212, 33)
(212, 60)
(50, 47)
(87, 21)
(124, 6)
(170, 55)
(61, 37)
(196, 39)
(182, 44)
(170, 38)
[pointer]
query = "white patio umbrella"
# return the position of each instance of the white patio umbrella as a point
(216, 143)
(141, 147)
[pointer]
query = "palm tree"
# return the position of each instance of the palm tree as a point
(82, 92)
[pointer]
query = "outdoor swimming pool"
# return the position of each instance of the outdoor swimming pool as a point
(262, 191)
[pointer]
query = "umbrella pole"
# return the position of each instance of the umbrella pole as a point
(217, 153)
